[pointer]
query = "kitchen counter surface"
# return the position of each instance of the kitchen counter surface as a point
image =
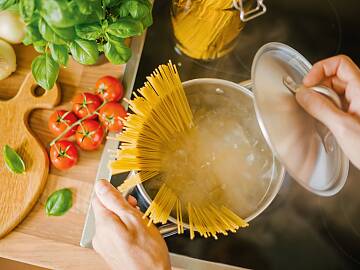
(53, 242)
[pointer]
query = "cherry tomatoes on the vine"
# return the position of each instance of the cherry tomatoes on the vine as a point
(112, 116)
(109, 88)
(89, 135)
(85, 104)
(63, 155)
(60, 120)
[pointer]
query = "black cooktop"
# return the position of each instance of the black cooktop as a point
(299, 230)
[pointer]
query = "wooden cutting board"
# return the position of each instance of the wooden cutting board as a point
(39, 239)
(19, 192)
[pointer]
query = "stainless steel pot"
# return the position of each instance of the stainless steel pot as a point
(301, 145)
(207, 86)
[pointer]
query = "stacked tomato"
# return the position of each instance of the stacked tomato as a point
(92, 115)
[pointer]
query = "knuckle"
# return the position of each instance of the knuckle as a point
(344, 57)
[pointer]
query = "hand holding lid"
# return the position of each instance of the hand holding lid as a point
(307, 150)
(341, 74)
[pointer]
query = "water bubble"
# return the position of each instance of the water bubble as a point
(219, 91)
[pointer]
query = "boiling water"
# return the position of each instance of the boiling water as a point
(224, 160)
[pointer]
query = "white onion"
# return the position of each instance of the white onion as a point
(7, 60)
(12, 28)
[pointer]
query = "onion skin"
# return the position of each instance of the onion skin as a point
(12, 28)
(7, 59)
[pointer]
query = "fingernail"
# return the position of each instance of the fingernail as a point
(101, 187)
(132, 200)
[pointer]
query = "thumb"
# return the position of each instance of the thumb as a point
(320, 107)
(112, 199)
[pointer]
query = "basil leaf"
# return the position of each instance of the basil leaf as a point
(91, 31)
(59, 53)
(40, 46)
(48, 34)
(5, 4)
(137, 9)
(117, 52)
(147, 20)
(85, 6)
(146, 2)
(63, 13)
(59, 202)
(65, 33)
(26, 8)
(12, 160)
(32, 34)
(115, 38)
(123, 11)
(84, 51)
(126, 27)
(111, 3)
(45, 71)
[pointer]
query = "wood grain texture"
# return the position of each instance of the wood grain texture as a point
(19, 192)
(63, 233)
(53, 242)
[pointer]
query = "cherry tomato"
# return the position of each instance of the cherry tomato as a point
(89, 135)
(112, 115)
(63, 154)
(109, 88)
(61, 120)
(85, 104)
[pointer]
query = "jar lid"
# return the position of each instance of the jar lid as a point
(305, 147)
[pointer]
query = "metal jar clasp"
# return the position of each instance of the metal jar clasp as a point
(247, 15)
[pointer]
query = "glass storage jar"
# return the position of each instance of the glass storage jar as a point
(207, 29)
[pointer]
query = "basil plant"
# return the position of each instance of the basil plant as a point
(82, 28)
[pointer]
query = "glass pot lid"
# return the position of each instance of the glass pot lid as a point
(305, 147)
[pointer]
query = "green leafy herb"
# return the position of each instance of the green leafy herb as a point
(59, 53)
(91, 31)
(13, 161)
(137, 9)
(59, 202)
(64, 13)
(48, 33)
(84, 51)
(40, 46)
(26, 8)
(117, 52)
(45, 70)
(32, 33)
(82, 28)
(5, 4)
(125, 27)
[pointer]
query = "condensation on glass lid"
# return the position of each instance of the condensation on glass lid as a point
(225, 160)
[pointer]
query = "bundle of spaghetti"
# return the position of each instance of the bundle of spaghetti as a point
(160, 123)
(206, 29)
(207, 220)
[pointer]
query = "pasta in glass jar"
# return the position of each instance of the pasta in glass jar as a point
(207, 29)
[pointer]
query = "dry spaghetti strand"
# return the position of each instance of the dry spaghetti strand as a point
(206, 29)
(161, 118)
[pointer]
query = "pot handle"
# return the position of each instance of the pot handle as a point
(247, 84)
(168, 229)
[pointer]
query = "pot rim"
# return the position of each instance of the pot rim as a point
(282, 172)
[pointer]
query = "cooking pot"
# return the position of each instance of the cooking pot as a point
(300, 145)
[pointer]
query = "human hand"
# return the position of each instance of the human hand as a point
(342, 75)
(122, 236)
